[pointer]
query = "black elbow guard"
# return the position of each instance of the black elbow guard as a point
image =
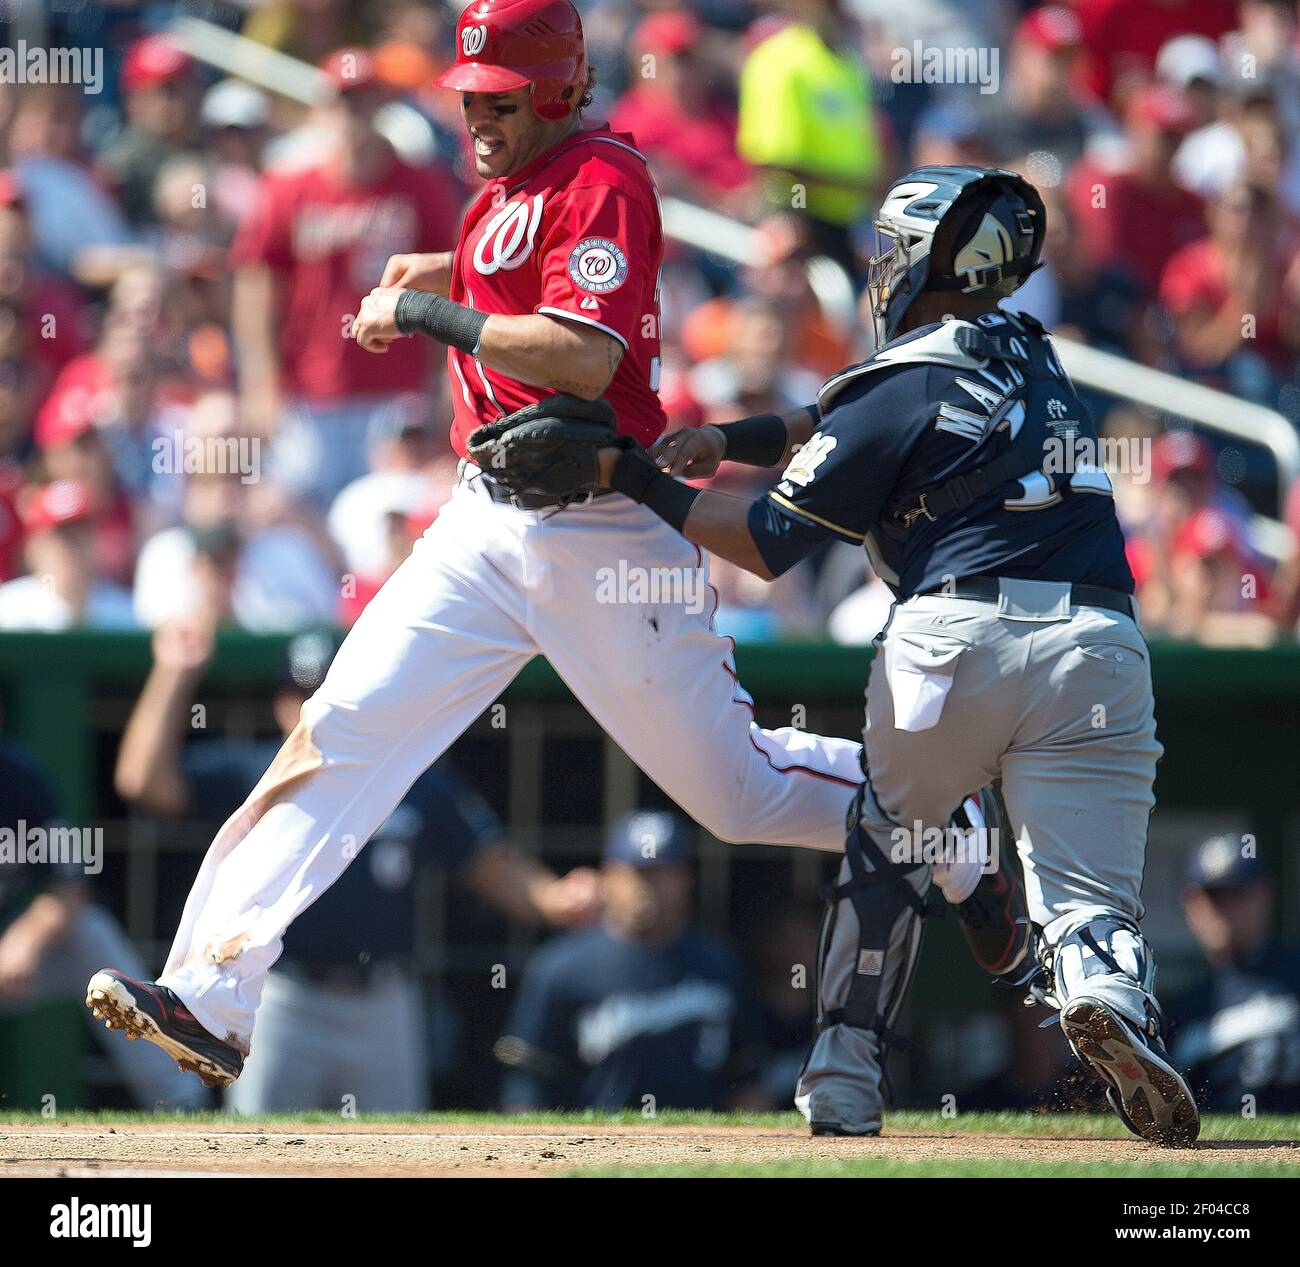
(756, 441)
(636, 476)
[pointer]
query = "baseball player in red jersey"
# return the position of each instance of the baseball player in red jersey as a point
(552, 289)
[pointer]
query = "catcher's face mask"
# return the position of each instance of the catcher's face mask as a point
(895, 273)
(968, 229)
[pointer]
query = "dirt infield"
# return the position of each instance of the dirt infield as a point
(507, 1148)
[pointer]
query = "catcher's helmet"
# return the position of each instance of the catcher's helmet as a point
(505, 44)
(972, 229)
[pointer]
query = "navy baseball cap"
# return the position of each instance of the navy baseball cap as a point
(1218, 863)
(647, 838)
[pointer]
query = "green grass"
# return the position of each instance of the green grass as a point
(957, 1168)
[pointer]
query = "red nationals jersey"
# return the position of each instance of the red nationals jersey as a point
(575, 234)
(327, 243)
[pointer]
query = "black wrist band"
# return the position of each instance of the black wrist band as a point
(418, 312)
(636, 476)
(756, 441)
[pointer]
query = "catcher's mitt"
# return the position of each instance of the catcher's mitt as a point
(548, 448)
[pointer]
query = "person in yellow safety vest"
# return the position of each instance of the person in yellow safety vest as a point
(806, 117)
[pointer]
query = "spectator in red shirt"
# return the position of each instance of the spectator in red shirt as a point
(121, 381)
(1185, 488)
(18, 399)
(51, 308)
(1138, 217)
(1122, 37)
(316, 245)
(72, 448)
(1231, 295)
(1218, 594)
(1286, 581)
(687, 134)
(64, 588)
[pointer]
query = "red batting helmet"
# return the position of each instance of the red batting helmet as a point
(505, 44)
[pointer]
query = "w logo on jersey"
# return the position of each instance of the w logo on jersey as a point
(507, 238)
(472, 40)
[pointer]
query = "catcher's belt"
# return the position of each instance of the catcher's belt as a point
(985, 589)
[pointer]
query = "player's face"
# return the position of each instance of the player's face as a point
(1230, 923)
(505, 132)
(646, 903)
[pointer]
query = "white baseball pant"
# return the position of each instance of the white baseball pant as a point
(488, 587)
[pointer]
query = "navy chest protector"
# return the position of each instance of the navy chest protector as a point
(1041, 395)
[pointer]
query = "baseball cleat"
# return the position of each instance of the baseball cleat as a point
(1150, 1096)
(821, 1130)
(995, 922)
(144, 1009)
(995, 918)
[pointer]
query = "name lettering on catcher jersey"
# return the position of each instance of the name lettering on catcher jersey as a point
(987, 398)
(963, 422)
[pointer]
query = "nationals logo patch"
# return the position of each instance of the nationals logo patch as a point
(597, 264)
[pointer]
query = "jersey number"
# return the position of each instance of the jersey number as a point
(1041, 489)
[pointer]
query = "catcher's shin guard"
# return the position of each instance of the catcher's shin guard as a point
(1101, 976)
(870, 941)
(994, 919)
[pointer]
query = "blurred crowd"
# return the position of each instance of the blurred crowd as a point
(188, 434)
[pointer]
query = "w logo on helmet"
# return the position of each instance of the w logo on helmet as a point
(472, 40)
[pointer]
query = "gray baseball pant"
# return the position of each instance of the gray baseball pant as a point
(1057, 701)
(323, 1048)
